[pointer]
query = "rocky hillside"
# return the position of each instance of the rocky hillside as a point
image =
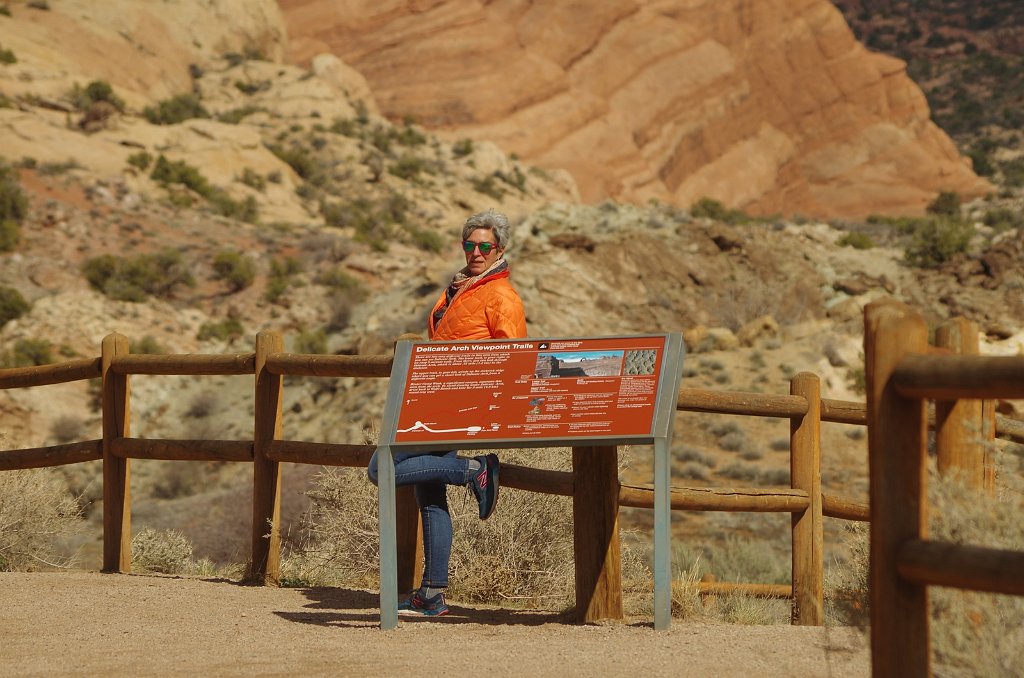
(219, 191)
(770, 106)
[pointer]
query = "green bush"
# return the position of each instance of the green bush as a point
(1003, 219)
(236, 115)
(710, 208)
(142, 160)
(137, 278)
(13, 203)
(28, 353)
(311, 341)
(7, 57)
(12, 304)
(95, 91)
(174, 110)
(947, 203)
(148, 345)
(281, 273)
(337, 279)
(935, 241)
(237, 270)
(10, 235)
(229, 328)
(179, 172)
(462, 148)
(856, 240)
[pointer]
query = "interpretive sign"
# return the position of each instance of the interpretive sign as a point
(523, 389)
(462, 395)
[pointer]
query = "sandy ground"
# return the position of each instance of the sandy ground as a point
(91, 624)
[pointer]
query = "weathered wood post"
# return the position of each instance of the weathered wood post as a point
(409, 537)
(960, 431)
(595, 513)
(805, 474)
(265, 567)
(897, 450)
(117, 498)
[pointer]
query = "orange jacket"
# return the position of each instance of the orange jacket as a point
(490, 309)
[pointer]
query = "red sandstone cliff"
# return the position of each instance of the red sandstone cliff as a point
(767, 105)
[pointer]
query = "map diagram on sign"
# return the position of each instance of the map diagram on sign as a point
(522, 388)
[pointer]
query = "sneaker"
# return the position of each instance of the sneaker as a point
(485, 485)
(418, 606)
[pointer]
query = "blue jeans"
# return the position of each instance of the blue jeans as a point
(430, 473)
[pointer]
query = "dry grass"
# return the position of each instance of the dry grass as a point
(36, 511)
(522, 556)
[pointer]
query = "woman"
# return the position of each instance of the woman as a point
(480, 303)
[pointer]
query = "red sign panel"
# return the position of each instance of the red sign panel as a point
(560, 388)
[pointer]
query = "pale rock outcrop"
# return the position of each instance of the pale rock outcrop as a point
(770, 106)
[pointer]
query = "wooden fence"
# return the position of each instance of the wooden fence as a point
(903, 372)
(593, 482)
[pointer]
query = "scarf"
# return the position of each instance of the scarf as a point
(462, 281)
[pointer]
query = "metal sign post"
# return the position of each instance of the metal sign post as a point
(531, 393)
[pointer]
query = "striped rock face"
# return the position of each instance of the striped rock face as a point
(772, 106)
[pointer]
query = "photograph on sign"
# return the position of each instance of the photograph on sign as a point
(491, 390)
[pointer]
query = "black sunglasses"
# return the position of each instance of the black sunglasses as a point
(485, 247)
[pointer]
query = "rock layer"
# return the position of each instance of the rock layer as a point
(771, 106)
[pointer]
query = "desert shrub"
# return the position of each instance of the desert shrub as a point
(49, 169)
(94, 92)
(35, 511)
(408, 167)
(179, 172)
(237, 270)
(302, 162)
(10, 235)
(462, 148)
(148, 345)
(203, 405)
(67, 428)
(7, 56)
(141, 160)
(27, 353)
(136, 278)
(935, 241)
(856, 240)
(689, 454)
(229, 328)
(1003, 219)
(252, 179)
(12, 304)
(13, 203)
(1013, 172)
(946, 203)
(176, 109)
(311, 341)
(236, 115)
(488, 186)
(524, 552)
(166, 551)
(710, 208)
(338, 279)
(281, 273)
(425, 239)
(732, 442)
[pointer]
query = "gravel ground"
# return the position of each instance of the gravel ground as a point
(91, 624)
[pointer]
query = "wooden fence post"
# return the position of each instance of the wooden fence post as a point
(409, 537)
(595, 513)
(117, 496)
(265, 567)
(897, 450)
(805, 474)
(960, 435)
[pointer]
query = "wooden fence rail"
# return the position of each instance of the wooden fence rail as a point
(902, 372)
(269, 364)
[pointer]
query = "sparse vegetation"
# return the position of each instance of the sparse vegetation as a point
(166, 551)
(137, 278)
(96, 91)
(148, 345)
(223, 330)
(35, 510)
(715, 210)
(175, 110)
(12, 305)
(856, 240)
(234, 268)
(28, 352)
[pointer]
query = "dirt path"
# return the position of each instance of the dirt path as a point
(91, 624)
